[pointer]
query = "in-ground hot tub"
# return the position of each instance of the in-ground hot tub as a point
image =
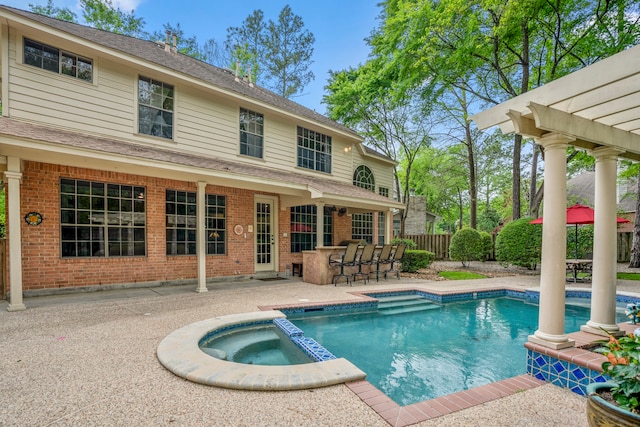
(181, 354)
(260, 344)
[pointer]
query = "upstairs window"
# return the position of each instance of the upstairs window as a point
(383, 191)
(314, 150)
(155, 108)
(363, 177)
(58, 61)
(251, 133)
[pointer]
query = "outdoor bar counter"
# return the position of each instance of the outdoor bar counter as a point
(315, 265)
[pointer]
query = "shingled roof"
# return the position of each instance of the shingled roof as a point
(155, 53)
(61, 138)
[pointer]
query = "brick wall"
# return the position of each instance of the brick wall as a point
(43, 266)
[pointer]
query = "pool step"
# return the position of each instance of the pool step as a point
(408, 309)
(407, 297)
(404, 304)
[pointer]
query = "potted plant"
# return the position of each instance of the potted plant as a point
(617, 402)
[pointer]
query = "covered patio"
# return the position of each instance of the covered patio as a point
(598, 109)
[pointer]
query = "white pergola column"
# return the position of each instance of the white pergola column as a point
(14, 220)
(201, 236)
(603, 287)
(550, 331)
(319, 225)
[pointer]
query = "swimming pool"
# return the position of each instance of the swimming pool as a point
(413, 349)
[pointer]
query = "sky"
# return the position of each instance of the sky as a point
(339, 27)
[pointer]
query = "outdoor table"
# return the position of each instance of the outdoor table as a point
(576, 266)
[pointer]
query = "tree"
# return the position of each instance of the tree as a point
(632, 171)
(277, 52)
(214, 54)
(398, 127)
(439, 174)
(64, 14)
(457, 108)
(185, 45)
(103, 15)
(288, 51)
(498, 49)
(245, 44)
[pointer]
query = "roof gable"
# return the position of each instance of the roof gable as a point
(154, 53)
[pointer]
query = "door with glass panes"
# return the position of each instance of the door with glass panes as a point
(265, 233)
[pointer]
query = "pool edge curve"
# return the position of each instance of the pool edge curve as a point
(179, 353)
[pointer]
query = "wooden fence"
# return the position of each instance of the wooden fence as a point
(439, 244)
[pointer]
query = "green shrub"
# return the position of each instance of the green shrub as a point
(410, 243)
(466, 245)
(520, 243)
(414, 260)
(487, 245)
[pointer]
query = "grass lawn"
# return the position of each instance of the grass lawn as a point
(460, 275)
(628, 276)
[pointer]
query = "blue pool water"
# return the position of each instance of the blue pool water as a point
(415, 350)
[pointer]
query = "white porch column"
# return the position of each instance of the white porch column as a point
(15, 238)
(388, 235)
(319, 225)
(550, 331)
(603, 288)
(201, 236)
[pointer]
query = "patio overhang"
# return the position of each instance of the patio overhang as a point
(28, 141)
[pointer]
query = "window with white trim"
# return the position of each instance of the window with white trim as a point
(251, 133)
(304, 226)
(98, 219)
(362, 226)
(314, 150)
(155, 108)
(56, 60)
(181, 223)
(381, 227)
(363, 177)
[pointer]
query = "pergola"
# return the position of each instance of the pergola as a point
(596, 108)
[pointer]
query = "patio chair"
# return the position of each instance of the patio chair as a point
(366, 258)
(346, 259)
(396, 258)
(384, 257)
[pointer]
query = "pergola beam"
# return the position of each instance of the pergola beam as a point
(549, 119)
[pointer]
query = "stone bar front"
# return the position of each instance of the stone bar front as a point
(315, 264)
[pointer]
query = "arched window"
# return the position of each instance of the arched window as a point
(363, 177)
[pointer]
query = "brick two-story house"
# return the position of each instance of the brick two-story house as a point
(127, 162)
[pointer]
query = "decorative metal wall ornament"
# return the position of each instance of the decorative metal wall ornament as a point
(33, 218)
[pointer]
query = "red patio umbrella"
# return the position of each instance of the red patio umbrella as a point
(576, 215)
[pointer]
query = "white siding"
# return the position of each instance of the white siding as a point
(205, 123)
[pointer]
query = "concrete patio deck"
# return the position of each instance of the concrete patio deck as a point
(90, 359)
